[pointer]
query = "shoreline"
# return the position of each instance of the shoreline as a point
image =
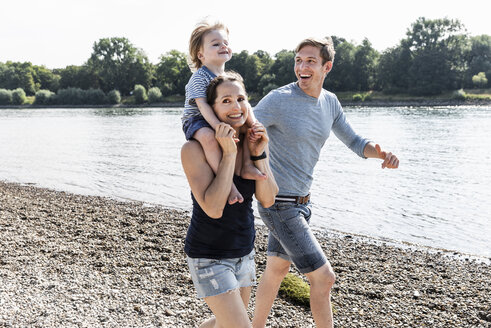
(73, 260)
(344, 103)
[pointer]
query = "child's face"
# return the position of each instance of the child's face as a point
(215, 49)
(231, 105)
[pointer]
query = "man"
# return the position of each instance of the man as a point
(299, 117)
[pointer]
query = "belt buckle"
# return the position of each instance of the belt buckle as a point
(303, 199)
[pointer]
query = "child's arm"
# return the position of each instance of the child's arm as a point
(207, 112)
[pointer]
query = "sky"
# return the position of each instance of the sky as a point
(58, 33)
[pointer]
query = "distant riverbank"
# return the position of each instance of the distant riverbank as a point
(72, 260)
(414, 102)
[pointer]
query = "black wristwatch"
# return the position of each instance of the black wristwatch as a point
(257, 158)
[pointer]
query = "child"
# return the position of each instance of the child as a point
(209, 51)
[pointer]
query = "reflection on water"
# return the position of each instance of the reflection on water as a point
(439, 197)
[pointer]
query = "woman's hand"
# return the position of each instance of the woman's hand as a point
(226, 138)
(258, 139)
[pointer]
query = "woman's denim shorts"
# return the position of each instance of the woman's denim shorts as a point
(212, 277)
(290, 236)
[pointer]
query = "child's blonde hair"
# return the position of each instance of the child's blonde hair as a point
(196, 40)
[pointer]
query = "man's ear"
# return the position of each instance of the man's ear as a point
(328, 66)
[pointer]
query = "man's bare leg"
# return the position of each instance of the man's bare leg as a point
(321, 282)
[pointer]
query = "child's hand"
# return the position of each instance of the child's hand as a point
(253, 136)
(258, 139)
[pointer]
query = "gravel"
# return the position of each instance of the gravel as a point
(69, 260)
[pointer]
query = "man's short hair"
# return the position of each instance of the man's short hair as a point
(325, 45)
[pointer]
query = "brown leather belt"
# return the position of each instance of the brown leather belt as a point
(293, 199)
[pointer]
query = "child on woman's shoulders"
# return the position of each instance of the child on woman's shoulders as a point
(209, 51)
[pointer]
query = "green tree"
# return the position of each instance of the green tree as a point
(393, 69)
(238, 62)
(264, 67)
(44, 97)
(119, 65)
(341, 77)
(45, 78)
(81, 77)
(266, 84)
(251, 67)
(140, 94)
(70, 96)
(5, 97)
(364, 66)
(154, 95)
(18, 96)
(114, 97)
(18, 75)
(94, 97)
(282, 67)
(479, 58)
(258, 64)
(480, 80)
(438, 55)
(172, 73)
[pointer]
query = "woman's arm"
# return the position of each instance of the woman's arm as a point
(266, 189)
(211, 191)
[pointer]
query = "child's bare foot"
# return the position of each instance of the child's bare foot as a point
(250, 172)
(235, 196)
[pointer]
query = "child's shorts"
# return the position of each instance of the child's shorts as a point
(212, 277)
(193, 124)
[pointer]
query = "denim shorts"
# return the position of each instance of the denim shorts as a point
(193, 124)
(212, 277)
(290, 236)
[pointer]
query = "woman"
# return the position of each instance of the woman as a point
(220, 239)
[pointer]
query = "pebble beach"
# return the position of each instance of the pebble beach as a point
(70, 260)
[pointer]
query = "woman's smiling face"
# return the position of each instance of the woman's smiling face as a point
(231, 105)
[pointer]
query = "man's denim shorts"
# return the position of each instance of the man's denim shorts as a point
(290, 236)
(193, 124)
(212, 277)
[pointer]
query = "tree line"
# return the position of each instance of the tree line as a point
(435, 56)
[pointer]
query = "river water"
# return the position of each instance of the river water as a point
(439, 197)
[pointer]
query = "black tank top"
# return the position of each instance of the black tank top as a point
(231, 236)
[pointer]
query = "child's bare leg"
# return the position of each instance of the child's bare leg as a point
(213, 154)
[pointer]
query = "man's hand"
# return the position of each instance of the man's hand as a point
(390, 160)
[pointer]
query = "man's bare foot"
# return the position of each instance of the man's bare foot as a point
(235, 196)
(250, 172)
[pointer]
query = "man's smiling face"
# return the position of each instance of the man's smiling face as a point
(310, 71)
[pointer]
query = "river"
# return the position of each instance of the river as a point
(440, 196)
